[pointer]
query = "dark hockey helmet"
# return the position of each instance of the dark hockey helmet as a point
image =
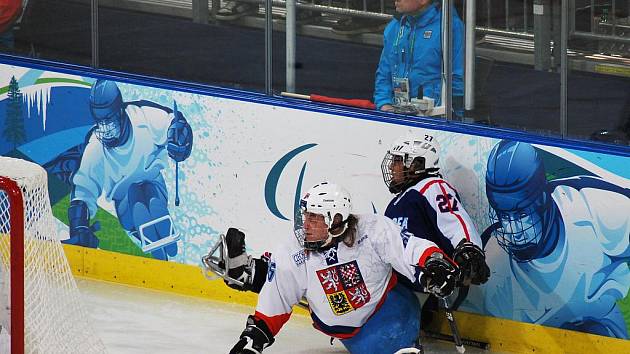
(516, 187)
(106, 106)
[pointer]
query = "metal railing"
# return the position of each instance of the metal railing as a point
(539, 29)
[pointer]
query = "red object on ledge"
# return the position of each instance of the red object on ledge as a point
(353, 102)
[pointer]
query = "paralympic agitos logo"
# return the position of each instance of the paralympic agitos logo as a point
(271, 183)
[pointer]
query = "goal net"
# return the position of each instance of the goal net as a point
(38, 294)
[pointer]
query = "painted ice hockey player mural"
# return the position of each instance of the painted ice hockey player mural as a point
(122, 161)
(565, 242)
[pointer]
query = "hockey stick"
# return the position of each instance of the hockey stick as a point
(451, 321)
(465, 341)
(176, 163)
(176, 183)
(446, 337)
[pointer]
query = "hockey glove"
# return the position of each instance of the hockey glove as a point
(439, 275)
(81, 233)
(244, 268)
(179, 138)
(472, 263)
(254, 338)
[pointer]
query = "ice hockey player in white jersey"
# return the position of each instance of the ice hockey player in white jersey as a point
(123, 161)
(343, 265)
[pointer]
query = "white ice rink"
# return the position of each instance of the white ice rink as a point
(132, 320)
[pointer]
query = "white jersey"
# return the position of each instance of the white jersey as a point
(582, 278)
(112, 170)
(345, 285)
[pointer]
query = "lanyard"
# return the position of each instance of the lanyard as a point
(406, 60)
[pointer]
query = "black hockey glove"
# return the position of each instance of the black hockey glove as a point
(239, 261)
(242, 267)
(439, 275)
(472, 263)
(254, 338)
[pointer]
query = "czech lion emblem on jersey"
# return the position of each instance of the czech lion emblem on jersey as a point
(344, 287)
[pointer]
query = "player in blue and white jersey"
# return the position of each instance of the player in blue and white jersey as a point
(425, 205)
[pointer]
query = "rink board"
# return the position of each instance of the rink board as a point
(254, 156)
(502, 335)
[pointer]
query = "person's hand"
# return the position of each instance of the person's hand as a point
(439, 275)
(387, 108)
(472, 262)
(254, 338)
(81, 233)
(180, 138)
(83, 236)
(240, 265)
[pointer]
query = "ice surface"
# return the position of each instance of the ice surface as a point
(133, 320)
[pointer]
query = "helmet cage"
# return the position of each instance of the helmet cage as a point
(106, 107)
(419, 154)
(318, 245)
(109, 130)
(413, 169)
(520, 232)
(300, 234)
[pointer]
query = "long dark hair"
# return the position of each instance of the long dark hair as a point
(350, 235)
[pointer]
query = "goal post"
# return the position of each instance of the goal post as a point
(43, 304)
(13, 203)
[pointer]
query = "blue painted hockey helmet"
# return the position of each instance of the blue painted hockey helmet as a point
(516, 189)
(106, 106)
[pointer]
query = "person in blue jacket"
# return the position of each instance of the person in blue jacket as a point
(411, 60)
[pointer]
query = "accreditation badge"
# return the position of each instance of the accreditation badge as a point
(401, 90)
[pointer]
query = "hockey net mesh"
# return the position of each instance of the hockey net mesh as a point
(55, 320)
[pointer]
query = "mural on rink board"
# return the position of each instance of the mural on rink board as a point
(159, 173)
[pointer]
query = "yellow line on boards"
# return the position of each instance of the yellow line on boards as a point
(503, 335)
(519, 337)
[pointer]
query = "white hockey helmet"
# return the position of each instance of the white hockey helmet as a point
(419, 154)
(326, 199)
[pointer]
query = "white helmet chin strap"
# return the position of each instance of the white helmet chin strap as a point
(328, 240)
(331, 236)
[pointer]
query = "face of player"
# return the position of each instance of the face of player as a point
(410, 6)
(397, 169)
(521, 228)
(109, 130)
(315, 227)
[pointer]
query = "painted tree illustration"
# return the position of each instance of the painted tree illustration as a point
(14, 125)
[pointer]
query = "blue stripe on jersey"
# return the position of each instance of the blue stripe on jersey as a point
(332, 330)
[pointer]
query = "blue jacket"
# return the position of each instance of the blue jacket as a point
(426, 62)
